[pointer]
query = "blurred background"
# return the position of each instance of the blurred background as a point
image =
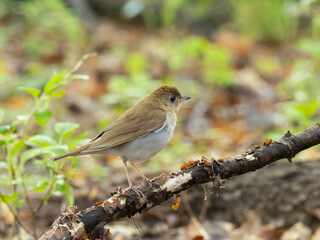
(251, 67)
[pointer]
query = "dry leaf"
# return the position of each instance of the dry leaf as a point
(176, 204)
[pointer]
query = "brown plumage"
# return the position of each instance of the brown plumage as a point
(141, 131)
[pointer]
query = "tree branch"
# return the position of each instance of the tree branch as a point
(90, 222)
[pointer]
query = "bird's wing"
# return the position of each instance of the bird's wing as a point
(132, 124)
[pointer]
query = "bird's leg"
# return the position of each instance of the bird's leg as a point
(127, 173)
(141, 174)
(138, 192)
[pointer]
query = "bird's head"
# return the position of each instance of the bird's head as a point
(168, 97)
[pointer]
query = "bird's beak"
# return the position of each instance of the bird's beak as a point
(185, 98)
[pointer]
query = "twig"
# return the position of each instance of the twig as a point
(79, 63)
(71, 225)
(201, 229)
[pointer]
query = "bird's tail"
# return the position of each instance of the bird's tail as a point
(76, 152)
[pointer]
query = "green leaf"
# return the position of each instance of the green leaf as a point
(74, 162)
(41, 186)
(308, 110)
(1, 114)
(42, 140)
(52, 150)
(9, 198)
(69, 193)
(63, 128)
(310, 46)
(79, 140)
(17, 147)
(33, 91)
(39, 189)
(8, 138)
(60, 185)
(55, 150)
(19, 203)
(54, 83)
(58, 93)
(136, 62)
(31, 153)
(42, 117)
(4, 129)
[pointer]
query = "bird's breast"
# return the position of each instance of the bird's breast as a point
(147, 146)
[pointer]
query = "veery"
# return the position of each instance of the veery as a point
(140, 132)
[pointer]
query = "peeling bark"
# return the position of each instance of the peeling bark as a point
(89, 223)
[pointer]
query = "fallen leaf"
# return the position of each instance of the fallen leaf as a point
(176, 204)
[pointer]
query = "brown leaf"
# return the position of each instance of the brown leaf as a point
(176, 204)
(184, 166)
(267, 142)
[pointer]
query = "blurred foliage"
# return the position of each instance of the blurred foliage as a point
(271, 20)
(40, 28)
(42, 32)
(127, 89)
(27, 166)
(212, 60)
(300, 98)
(302, 88)
(169, 13)
(276, 20)
(194, 62)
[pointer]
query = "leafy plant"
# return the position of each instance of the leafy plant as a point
(271, 20)
(127, 89)
(302, 88)
(23, 151)
(168, 13)
(212, 60)
(58, 28)
(300, 105)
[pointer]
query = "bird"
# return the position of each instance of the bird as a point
(140, 132)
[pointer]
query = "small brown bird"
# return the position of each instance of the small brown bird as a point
(140, 132)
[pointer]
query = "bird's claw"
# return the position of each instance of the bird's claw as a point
(148, 182)
(137, 191)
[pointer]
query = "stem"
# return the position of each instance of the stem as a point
(79, 63)
(48, 194)
(34, 109)
(42, 97)
(15, 215)
(33, 212)
(9, 161)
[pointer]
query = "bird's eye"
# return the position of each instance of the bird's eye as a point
(172, 98)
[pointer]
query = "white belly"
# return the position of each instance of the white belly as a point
(145, 147)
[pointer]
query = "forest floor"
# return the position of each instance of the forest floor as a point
(220, 121)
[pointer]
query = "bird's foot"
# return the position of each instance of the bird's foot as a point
(137, 191)
(148, 181)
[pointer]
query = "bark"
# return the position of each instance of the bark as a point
(89, 223)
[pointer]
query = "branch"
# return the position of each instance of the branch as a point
(90, 222)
